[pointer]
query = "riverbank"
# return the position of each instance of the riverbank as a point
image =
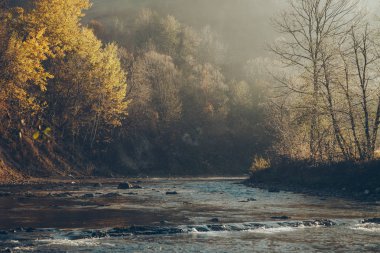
(359, 181)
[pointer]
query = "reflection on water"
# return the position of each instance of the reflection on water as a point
(205, 216)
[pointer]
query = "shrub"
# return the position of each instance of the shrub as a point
(377, 154)
(260, 163)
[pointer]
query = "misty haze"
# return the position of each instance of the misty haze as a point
(189, 126)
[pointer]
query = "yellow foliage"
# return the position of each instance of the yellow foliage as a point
(36, 135)
(22, 53)
(25, 59)
(47, 131)
(260, 163)
(61, 20)
(47, 58)
(377, 154)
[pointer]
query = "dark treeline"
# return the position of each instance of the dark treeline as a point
(186, 115)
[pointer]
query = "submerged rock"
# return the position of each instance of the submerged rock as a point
(145, 230)
(248, 200)
(29, 195)
(97, 185)
(283, 217)
(88, 195)
(373, 220)
(323, 222)
(99, 234)
(60, 195)
(217, 228)
(6, 250)
(111, 195)
(125, 186)
(273, 190)
(5, 194)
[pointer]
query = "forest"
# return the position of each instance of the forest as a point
(144, 94)
(140, 91)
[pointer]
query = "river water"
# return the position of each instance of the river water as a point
(206, 215)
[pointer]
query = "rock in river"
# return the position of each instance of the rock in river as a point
(5, 194)
(215, 220)
(373, 220)
(125, 185)
(111, 195)
(283, 217)
(273, 190)
(88, 195)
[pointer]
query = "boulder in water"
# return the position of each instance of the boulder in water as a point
(373, 220)
(283, 217)
(111, 195)
(125, 186)
(5, 194)
(272, 189)
(6, 250)
(322, 222)
(88, 195)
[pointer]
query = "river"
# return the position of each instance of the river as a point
(206, 215)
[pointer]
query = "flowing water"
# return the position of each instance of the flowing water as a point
(206, 215)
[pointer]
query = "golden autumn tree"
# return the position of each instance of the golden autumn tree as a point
(61, 19)
(51, 62)
(87, 96)
(23, 50)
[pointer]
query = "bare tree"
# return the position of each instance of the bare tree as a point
(308, 27)
(362, 88)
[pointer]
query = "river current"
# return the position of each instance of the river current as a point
(200, 215)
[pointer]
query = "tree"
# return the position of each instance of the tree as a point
(23, 51)
(55, 67)
(205, 99)
(360, 58)
(156, 76)
(309, 27)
